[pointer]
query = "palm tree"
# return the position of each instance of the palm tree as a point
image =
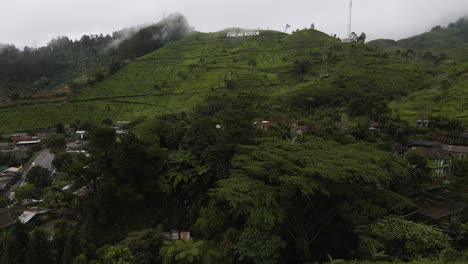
(182, 252)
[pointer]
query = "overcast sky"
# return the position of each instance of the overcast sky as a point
(35, 22)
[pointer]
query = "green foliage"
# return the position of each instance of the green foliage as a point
(62, 160)
(305, 186)
(27, 191)
(38, 251)
(56, 143)
(419, 169)
(259, 247)
(39, 176)
(271, 76)
(115, 255)
(405, 239)
(449, 124)
(72, 247)
(144, 245)
(460, 168)
(14, 245)
(184, 169)
(183, 252)
(81, 259)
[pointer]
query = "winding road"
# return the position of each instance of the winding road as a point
(43, 159)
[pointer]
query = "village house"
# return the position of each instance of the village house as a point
(374, 125)
(5, 145)
(20, 137)
(81, 134)
(264, 124)
(440, 155)
(457, 139)
(433, 206)
(175, 234)
(8, 216)
(440, 160)
(121, 127)
(459, 152)
(422, 123)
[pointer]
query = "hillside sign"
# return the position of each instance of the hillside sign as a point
(242, 34)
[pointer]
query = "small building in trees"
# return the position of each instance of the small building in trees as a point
(422, 123)
(440, 161)
(81, 133)
(434, 207)
(457, 139)
(121, 127)
(176, 234)
(264, 124)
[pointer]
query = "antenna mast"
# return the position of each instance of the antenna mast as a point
(350, 17)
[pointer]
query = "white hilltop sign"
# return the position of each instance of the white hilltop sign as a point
(242, 34)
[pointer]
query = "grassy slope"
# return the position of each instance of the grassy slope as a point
(176, 77)
(451, 41)
(451, 101)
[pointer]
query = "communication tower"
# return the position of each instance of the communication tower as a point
(349, 39)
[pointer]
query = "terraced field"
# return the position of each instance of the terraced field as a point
(178, 76)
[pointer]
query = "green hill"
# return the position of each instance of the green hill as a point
(451, 41)
(448, 95)
(64, 61)
(286, 68)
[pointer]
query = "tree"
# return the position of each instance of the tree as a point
(182, 252)
(436, 28)
(62, 160)
(259, 247)
(39, 176)
(72, 247)
(61, 232)
(102, 139)
(56, 143)
(353, 37)
(310, 189)
(27, 191)
(144, 245)
(404, 239)
(107, 122)
(460, 168)
(14, 245)
(419, 169)
(361, 38)
(185, 170)
(60, 128)
(115, 255)
(38, 251)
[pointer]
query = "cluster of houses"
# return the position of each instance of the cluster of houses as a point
(441, 155)
(304, 129)
(176, 234)
(24, 140)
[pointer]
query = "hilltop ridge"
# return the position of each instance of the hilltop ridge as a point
(286, 67)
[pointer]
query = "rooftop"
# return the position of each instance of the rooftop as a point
(455, 149)
(431, 153)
